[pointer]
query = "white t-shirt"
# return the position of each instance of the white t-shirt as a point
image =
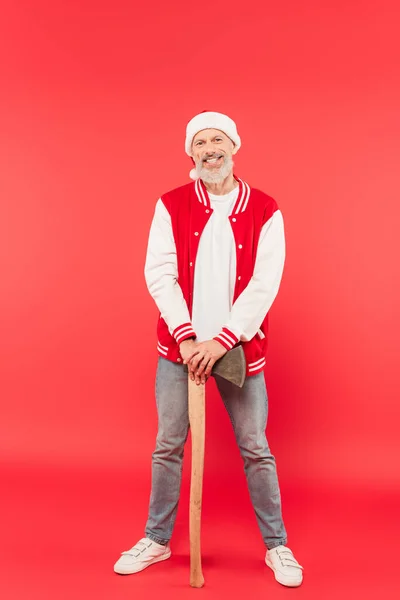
(215, 271)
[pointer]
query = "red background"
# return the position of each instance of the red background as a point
(94, 100)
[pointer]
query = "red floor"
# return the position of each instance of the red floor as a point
(63, 530)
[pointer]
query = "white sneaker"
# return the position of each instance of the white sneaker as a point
(142, 555)
(286, 568)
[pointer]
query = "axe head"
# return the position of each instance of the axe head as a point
(232, 366)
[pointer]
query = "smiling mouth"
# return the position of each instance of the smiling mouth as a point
(213, 160)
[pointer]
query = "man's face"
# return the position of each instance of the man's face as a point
(212, 152)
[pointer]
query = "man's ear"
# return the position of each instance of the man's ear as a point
(234, 149)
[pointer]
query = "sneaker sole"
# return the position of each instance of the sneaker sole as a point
(281, 581)
(120, 570)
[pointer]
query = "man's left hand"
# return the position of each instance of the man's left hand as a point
(202, 360)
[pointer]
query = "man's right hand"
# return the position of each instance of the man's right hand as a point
(187, 348)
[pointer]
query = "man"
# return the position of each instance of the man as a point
(214, 264)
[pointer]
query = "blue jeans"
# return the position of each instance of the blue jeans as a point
(248, 410)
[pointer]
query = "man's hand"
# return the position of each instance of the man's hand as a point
(187, 349)
(202, 359)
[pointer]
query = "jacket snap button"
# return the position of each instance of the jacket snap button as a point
(234, 220)
(196, 233)
(239, 277)
(191, 264)
(179, 359)
(240, 246)
(207, 211)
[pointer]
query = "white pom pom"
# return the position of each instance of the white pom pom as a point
(193, 174)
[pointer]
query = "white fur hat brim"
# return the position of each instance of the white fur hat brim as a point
(211, 120)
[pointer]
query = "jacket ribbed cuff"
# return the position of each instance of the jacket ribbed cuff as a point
(183, 332)
(226, 338)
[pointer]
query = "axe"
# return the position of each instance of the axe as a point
(232, 366)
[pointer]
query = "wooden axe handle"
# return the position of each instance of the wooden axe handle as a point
(197, 428)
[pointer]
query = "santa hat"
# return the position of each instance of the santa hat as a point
(210, 120)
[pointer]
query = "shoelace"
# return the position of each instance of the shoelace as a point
(288, 561)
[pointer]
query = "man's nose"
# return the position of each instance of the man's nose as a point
(209, 149)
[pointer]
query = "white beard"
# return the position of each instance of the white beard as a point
(215, 175)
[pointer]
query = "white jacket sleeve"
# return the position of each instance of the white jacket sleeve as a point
(250, 308)
(161, 274)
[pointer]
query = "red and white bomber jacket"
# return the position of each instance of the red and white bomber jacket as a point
(258, 231)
